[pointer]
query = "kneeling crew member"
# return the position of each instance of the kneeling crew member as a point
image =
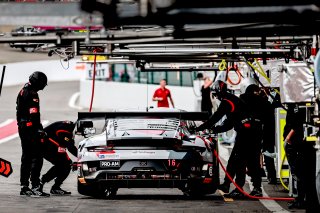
(60, 139)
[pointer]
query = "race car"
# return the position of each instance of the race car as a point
(27, 31)
(155, 149)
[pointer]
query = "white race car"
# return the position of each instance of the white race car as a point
(146, 150)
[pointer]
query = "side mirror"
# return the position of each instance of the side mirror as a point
(85, 128)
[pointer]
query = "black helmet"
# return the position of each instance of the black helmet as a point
(69, 125)
(220, 88)
(38, 80)
(252, 89)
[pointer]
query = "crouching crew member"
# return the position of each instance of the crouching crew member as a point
(31, 134)
(60, 138)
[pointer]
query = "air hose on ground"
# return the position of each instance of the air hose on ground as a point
(93, 79)
(241, 190)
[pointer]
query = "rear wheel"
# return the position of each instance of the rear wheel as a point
(83, 189)
(194, 194)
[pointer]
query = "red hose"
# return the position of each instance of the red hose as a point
(93, 79)
(241, 190)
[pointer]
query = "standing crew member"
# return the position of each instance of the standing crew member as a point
(248, 133)
(293, 135)
(60, 139)
(206, 103)
(162, 94)
(31, 134)
(269, 131)
(301, 157)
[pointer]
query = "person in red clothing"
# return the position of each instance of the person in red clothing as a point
(162, 94)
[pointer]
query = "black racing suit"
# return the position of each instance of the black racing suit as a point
(248, 133)
(259, 110)
(268, 142)
(301, 157)
(30, 132)
(59, 140)
(294, 121)
(206, 103)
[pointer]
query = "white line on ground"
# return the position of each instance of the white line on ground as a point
(73, 101)
(6, 122)
(11, 137)
(271, 205)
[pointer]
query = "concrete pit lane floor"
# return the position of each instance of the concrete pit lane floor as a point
(54, 106)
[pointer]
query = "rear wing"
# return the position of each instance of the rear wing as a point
(191, 116)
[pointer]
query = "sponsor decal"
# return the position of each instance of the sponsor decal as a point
(143, 163)
(109, 156)
(62, 150)
(33, 110)
(140, 152)
(107, 164)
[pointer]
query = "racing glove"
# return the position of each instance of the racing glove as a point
(42, 135)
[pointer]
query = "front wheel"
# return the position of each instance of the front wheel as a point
(194, 193)
(28, 49)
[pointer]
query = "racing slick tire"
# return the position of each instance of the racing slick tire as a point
(28, 49)
(97, 191)
(83, 189)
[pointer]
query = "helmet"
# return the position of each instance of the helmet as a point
(246, 83)
(69, 125)
(38, 80)
(220, 88)
(252, 89)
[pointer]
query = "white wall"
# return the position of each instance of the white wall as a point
(18, 73)
(116, 95)
(108, 95)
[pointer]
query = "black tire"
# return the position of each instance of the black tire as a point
(194, 194)
(83, 189)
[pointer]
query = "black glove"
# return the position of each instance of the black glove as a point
(41, 134)
(74, 166)
(199, 128)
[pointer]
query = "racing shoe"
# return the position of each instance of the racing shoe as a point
(59, 191)
(272, 181)
(224, 187)
(25, 190)
(38, 192)
(236, 194)
(296, 204)
(257, 192)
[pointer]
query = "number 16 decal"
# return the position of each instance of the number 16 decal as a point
(172, 162)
